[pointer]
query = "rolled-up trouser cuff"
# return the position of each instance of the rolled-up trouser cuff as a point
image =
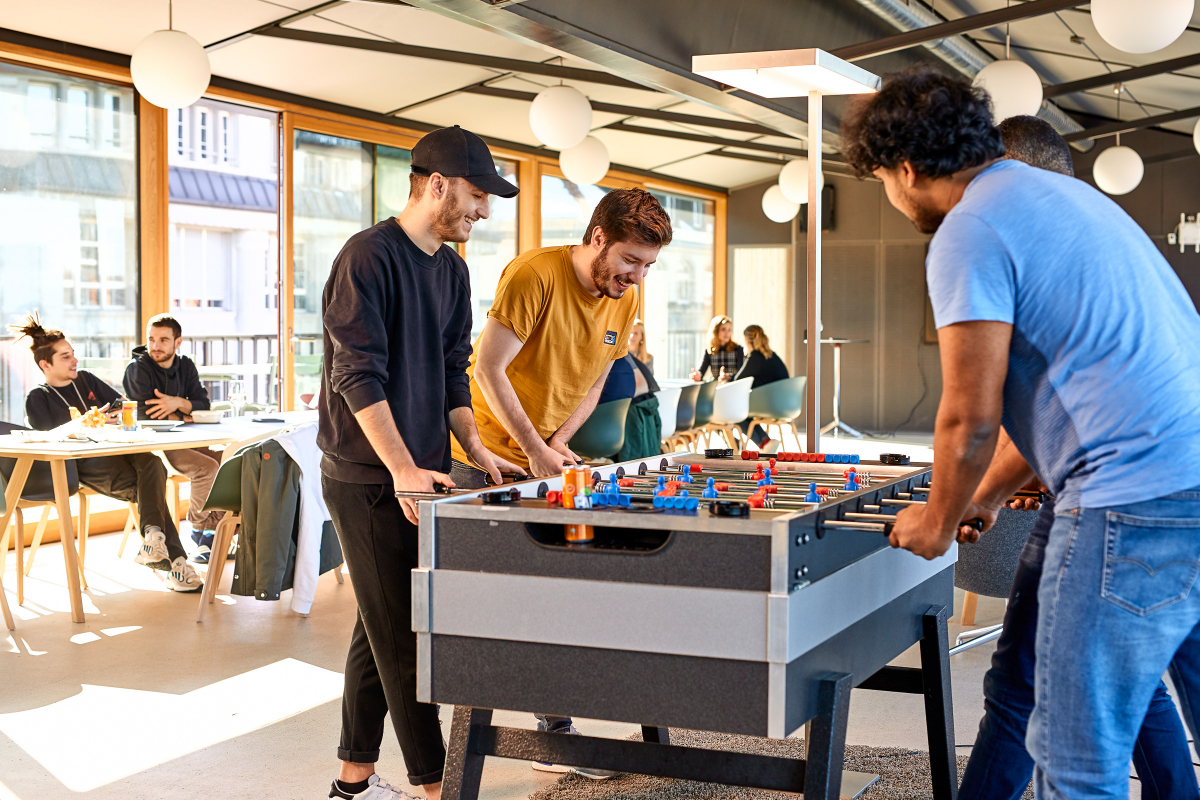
(427, 778)
(358, 756)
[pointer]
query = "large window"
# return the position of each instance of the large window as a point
(678, 296)
(333, 188)
(566, 209)
(68, 222)
(760, 293)
(224, 237)
(493, 244)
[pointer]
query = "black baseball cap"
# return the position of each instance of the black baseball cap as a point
(458, 153)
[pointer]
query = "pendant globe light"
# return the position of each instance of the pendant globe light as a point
(1014, 87)
(793, 180)
(1118, 170)
(560, 117)
(169, 68)
(1141, 26)
(1196, 136)
(777, 207)
(585, 163)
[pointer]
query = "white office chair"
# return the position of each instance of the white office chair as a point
(731, 405)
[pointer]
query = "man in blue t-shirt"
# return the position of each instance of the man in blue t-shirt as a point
(1059, 317)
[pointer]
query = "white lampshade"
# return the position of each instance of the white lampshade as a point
(777, 207)
(1142, 26)
(170, 69)
(1118, 170)
(793, 180)
(560, 117)
(585, 163)
(786, 73)
(1196, 136)
(1014, 87)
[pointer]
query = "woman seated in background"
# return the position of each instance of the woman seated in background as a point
(724, 356)
(764, 367)
(633, 378)
(637, 345)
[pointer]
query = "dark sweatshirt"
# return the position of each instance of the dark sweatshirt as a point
(47, 407)
(762, 369)
(397, 328)
(144, 375)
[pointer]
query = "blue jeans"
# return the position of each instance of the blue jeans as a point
(1116, 611)
(1000, 767)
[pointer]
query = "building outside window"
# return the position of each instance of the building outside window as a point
(224, 238)
(68, 223)
(493, 244)
(678, 300)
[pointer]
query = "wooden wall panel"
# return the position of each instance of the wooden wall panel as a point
(153, 223)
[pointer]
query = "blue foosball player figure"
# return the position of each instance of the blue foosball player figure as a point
(812, 496)
(709, 492)
(851, 483)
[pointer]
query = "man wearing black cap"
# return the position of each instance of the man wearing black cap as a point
(397, 315)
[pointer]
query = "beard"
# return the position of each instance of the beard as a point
(603, 274)
(161, 357)
(447, 223)
(924, 218)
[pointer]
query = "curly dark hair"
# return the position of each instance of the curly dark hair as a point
(939, 123)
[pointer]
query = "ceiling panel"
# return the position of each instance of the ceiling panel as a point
(486, 116)
(646, 152)
(600, 93)
(727, 172)
(374, 81)
(119, 26)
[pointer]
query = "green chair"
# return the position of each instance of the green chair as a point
(603, 434)
(779, 403)
(704, 412)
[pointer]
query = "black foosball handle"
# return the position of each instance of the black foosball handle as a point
(975, 523)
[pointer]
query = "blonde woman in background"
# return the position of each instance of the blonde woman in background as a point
(764, 366)
(724, 356)
(637, 345)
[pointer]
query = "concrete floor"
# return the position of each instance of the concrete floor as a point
(124, 706)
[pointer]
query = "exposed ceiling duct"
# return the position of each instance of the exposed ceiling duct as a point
(964, 56)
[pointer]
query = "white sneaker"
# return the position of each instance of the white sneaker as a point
(377, 789)
(154, 553)
(182, 578)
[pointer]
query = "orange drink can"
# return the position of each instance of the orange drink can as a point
(129, 415)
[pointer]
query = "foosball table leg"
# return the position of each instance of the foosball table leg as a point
(656, 735)
(464, 762)
(825, 745)
(939, 703)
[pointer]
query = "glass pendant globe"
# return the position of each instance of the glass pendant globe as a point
(170, 69)
(1141, 26)
(585, 163)
(1118, 170)
(777, 207)
(793, 180)
(560, 117)
(1196, 136)
(1014, 87)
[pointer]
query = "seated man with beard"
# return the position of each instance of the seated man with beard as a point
(562, 315)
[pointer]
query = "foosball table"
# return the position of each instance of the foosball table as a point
(754, 611)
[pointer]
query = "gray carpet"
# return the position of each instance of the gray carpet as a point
(904, 773)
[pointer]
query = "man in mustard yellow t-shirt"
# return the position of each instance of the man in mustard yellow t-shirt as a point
(561, 317)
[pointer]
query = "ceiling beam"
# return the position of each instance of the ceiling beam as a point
(716, 140)
(1123, 76)
(634, 111)
(299, 15)
(973, 22)
(451, 56)
(1132, 125)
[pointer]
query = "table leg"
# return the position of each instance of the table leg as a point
(4, 609)
(837, 425)
(66, 529)
(939, 703)
(825, 747)
(16, 485)
(20, 526)
(464, 763)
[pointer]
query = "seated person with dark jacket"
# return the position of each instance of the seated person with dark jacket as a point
(136, 478)
(764, 366)
(631, 377)
(167, 386)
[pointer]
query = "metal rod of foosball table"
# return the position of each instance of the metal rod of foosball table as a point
(728, 494)
(780, 475)
(780, 480)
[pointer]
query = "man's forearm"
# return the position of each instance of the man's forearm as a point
(380, 429)
(462, 425)
(185, 405)
(962, 450)
(1007, 473)
(502, 399)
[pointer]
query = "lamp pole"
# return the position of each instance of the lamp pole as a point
(813, 385)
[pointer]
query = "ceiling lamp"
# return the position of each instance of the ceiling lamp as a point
(169, 68)
(786, 73)
(560, 117)
(586, 163)
(777, 207)
(1015, 89)
(1118, 170)
(1144, 26)
(793, 180)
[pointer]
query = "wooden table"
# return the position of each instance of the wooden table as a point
(59, 453)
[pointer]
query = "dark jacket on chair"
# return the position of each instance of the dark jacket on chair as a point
(266, 554)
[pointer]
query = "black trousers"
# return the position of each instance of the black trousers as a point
(137, 478)
(380, 547)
